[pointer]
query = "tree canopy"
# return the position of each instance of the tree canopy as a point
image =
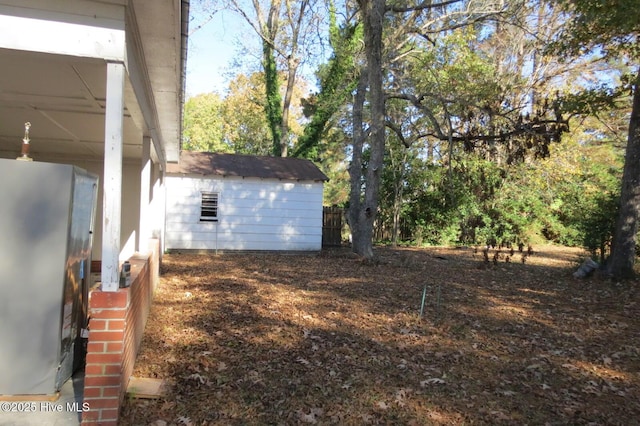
(611, 29)
(457, 122)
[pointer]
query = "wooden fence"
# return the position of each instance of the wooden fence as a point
(332, 226)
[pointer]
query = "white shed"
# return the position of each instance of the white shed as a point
(243, 202)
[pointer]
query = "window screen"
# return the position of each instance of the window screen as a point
(209, 207)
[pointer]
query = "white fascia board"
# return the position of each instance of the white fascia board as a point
(61, 38)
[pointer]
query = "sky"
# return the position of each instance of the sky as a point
(211, 53)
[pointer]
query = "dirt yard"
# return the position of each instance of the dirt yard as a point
(264, 339)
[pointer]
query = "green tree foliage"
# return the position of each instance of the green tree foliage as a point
(235, 123)
(286, 30)
(203, 125)
(568, 198)
(333, 164)
(245, 126)
(473, 102)
(611, 29)
(402, 164)
(590, 204)
(468, 133)
(490, 131)
(337, 80)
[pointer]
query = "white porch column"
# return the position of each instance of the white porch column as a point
(111, 221)
(145, 187)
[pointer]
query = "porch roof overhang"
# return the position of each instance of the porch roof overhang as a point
(58, 82)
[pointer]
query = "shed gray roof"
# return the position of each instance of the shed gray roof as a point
(213, 164)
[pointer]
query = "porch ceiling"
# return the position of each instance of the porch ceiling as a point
(64, 97)
(64, 100)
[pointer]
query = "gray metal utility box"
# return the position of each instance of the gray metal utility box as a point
(46, 221)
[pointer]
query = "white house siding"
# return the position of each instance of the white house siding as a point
(253, 214)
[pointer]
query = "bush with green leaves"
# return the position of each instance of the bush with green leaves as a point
(570, 198)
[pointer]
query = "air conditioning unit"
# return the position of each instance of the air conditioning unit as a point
(46, 220)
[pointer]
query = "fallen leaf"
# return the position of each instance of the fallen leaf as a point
(432, 381)
(186, 421)
(366, 418)
(312, 417)
(198, 377)
(382, 405)
(325, 330)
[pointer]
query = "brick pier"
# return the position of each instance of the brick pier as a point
(115, 332)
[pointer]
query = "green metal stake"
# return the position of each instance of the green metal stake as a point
(424, 295)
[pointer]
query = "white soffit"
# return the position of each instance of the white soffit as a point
(159, 24)
(63, 38)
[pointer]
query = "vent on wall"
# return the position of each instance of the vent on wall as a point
(209, 207)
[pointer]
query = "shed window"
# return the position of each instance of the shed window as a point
(209, 207)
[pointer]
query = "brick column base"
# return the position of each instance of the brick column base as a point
(103, 370)
(115, 332)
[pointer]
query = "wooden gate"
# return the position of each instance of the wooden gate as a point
(332, 226)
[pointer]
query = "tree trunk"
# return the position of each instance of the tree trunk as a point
(292, 68)
(362, 228)
(356, 224)
(397, 205)
(267, 28)
(286, 106)
(398, 191)
(622, 259)
(273, 107)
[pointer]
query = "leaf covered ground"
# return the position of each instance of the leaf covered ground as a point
(268, 339)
